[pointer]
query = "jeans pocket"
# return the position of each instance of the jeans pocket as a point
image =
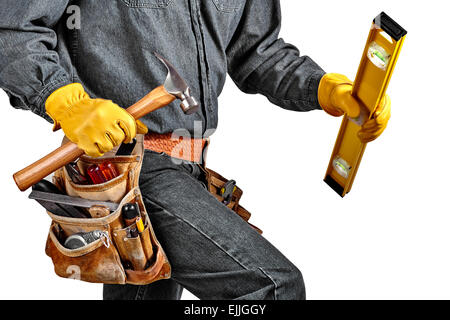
(153, 4)
(228, 6)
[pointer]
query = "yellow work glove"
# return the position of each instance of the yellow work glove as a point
(336, 99)
(95, 125)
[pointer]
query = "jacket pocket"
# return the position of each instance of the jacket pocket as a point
(153, 4)
(228, 6)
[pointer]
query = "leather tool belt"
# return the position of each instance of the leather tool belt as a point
(227, 192)
(115, 258)
(194, 150)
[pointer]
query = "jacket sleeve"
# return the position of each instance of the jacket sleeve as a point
(29, 64)
(261, 62)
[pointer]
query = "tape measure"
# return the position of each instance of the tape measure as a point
(375, 71)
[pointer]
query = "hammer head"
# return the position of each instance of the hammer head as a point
(176, 86)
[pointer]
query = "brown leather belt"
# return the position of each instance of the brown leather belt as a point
(184, 148)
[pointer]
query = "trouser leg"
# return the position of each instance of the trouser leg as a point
(214, 253)
(159, 290)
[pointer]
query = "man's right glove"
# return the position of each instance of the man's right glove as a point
(335, 98)
(95, 125)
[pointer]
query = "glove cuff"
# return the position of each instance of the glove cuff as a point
(62, 100)
(327, 85)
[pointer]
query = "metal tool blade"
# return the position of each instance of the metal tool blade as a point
(73, 201)
(175, 85)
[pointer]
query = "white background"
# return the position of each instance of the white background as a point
(388, 239)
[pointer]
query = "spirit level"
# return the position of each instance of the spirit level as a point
(375, 70)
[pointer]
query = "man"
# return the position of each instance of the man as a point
(54, 65)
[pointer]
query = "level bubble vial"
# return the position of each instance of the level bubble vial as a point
(378, 55)
(342, 167)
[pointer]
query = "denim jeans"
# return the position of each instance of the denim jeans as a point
(213, 252)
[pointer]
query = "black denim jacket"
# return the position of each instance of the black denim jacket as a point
(109, 49)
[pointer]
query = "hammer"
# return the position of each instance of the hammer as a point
(173, 88)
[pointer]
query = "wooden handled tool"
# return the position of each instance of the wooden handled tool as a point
(174, 88)
(67, 153)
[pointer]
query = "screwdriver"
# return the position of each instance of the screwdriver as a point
(109, 170)
(102, 173)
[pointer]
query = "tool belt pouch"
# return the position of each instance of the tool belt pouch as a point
(115, 257)
(227, 192)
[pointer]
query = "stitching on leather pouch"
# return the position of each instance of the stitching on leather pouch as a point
(227, 6)
(152, 4)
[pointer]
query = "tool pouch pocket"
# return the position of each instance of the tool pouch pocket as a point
(114, 255)
(227, 192)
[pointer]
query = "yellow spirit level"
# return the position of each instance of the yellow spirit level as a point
(375, 70)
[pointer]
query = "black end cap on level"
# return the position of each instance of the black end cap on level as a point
(334, 185)
(391, 27)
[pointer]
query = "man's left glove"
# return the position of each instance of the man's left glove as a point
(95, 125)
(336, 99)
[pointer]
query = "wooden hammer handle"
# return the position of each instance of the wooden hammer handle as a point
(67, 153)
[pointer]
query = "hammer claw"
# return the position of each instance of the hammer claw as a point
(176, 86)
